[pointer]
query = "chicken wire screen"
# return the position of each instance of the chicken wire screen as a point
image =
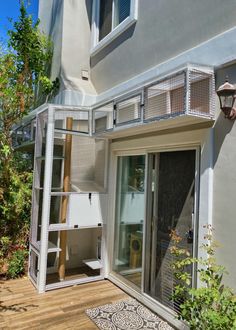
(201, 93)
(80, 120)
(165, 98)
(128, 110)
(103, 118)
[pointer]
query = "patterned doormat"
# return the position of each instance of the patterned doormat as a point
(126, 315)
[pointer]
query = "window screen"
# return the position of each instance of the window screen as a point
(122, 11)
(128, 110)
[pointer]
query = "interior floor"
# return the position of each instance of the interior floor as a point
(135, 278)
(73, 274)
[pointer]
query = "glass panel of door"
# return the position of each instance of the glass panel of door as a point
(130, 211)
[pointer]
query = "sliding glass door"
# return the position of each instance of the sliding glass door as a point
(164, 203)
(129, 220)
(171, 191)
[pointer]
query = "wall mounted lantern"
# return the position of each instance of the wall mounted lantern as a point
(227, 96)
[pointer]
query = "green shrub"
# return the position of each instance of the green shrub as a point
(16, 266)
(24, 66)
(211, 306)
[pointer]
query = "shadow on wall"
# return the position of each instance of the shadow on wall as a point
(88, 4)
(112, 46)
(56, 8)
(222, 125)
(222, 128)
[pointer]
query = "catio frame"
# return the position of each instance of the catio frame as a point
(146, 109)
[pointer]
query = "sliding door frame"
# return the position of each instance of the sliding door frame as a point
(117, 279)
(111, 232)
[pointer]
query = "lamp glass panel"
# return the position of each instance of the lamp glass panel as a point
(227, 101)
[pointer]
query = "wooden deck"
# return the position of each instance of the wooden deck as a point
(21, 307)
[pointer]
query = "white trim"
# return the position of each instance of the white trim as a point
(117, 31)
(110, 212)
(195, 215)
(66, 283)
(133, 152)
(97, 45)
(146, 179)
(211, 176)
(206, 190)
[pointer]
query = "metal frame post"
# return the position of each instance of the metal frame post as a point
(46, 202)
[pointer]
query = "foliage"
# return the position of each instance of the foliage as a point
(24, 65)
(16, 265)
(211, 306)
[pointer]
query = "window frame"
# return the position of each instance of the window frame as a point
(97, 45)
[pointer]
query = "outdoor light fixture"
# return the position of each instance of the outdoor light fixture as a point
(227, 96)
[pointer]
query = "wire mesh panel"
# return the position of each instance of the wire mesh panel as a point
(165, 98)
(103, 118)
(87, 167)
(27, 135)
(24, 134)
(128, 110)
(17, 137)
(39, 171)
(201, 93)
(100, 163)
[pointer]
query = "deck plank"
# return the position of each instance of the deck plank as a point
(21, 307)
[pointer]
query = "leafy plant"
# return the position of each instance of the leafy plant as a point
(16, 266)
(211, 306)
(24, 65)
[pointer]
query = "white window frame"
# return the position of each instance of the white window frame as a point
(97, 45)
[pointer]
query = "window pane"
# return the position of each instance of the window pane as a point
(122, 11)
(105, 18)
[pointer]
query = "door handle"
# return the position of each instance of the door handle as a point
(189, 236)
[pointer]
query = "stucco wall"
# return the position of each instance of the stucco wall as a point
(68, 24)
(76, 44)
(51, 23)
(164, 29)
(224, 193)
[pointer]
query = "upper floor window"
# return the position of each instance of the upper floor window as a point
(111, 14)
(110, 19)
